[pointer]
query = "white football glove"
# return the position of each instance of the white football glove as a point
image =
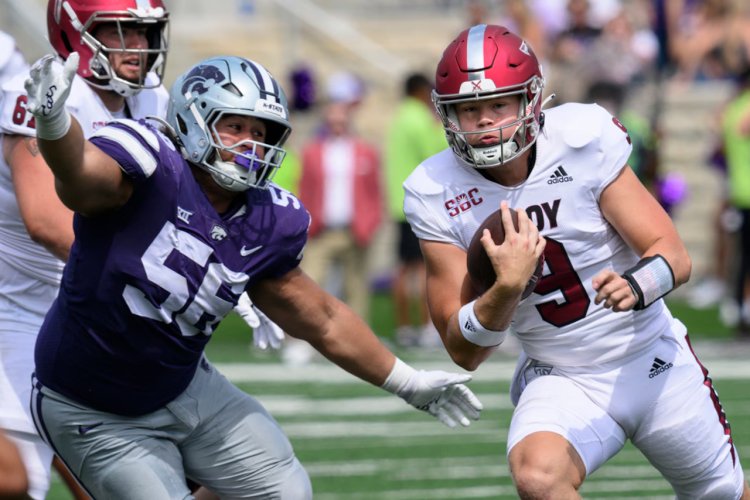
(48, 87)
(439, 393)
(266, 333)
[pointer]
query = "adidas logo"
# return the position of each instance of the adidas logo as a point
(470, 326)
(560, 175)
(658, 367)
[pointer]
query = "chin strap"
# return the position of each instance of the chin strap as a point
(548, 99)
(224, 180)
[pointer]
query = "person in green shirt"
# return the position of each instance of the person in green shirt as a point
(736, 138)
(288, 175)
(414, 135)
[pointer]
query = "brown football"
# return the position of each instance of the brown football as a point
(480, 268)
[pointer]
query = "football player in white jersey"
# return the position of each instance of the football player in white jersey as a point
(123, 44)
(604, 361)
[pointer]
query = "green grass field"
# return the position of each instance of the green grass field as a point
(360, 443)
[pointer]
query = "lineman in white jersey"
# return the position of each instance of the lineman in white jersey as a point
(604, 360)
(124, 51)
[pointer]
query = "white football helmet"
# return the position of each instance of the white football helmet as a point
(229, 86)
(486, 62)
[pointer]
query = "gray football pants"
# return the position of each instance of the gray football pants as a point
(213, 433)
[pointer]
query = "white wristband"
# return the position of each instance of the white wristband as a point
(398, 379)
(650, 279)
(53, 127)
(474, 332)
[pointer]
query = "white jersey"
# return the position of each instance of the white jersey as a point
(581, 150)
(29, 274)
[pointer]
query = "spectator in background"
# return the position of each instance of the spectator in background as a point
(288, 177)
(340, 186)
(554, 16)
(337, 176)
(476, 11)
(520, 18)
(414, 135)
(302, 100)
(711, 289)
(736, 135)
(634, 48)
(711, 40)
(570, 49)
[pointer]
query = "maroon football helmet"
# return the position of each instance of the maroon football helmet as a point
(487, 62)
(71, 25)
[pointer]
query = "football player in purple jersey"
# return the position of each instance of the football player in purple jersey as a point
(172, 224)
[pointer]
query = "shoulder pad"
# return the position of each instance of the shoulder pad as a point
(583, 123)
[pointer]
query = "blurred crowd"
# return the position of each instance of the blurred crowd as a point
(621, 54)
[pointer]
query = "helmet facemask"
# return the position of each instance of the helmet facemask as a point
(516, 137)
(153, 58)
(247, 168)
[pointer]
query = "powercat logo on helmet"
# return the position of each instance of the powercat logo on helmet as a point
(201, 78)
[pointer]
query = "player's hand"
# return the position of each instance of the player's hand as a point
(439, 393)
(516, 258)
(613, 291)
(48, 87)
(266, 333)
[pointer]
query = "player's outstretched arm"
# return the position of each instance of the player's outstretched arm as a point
(87, 180)
(304, 310)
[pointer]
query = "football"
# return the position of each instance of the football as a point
(481, 272)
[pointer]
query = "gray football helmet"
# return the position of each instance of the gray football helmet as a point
(229, 86)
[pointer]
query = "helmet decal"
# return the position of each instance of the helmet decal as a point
(201, 78)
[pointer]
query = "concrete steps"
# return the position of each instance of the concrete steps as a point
(688, 127)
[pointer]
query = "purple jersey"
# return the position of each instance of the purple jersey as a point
(145, 286)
